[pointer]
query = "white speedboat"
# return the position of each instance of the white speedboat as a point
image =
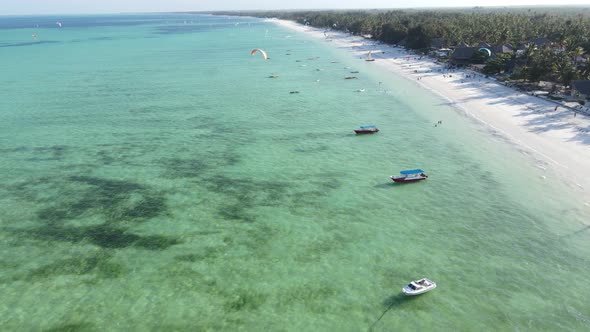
(418, 287)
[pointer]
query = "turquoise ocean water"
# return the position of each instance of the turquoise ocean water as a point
(154, 178)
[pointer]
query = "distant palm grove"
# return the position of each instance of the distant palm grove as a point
(512, 33)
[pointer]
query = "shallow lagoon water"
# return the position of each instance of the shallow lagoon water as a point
(156, 178)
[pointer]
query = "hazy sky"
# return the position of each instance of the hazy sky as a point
(8, 7)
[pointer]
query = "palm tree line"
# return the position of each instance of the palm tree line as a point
(567, 29)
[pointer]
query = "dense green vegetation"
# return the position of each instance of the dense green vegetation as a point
(567, 29)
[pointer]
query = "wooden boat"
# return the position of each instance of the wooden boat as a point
(417, 287)
(410, 175)
(366, 130)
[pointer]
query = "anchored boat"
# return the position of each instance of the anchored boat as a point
(417, 287)
(366, 130)
(410, 175)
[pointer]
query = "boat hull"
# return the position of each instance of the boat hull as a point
(418, 287)
(403, 179)
(409, 292)
(361, 132)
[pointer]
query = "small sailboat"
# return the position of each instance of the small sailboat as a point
(369, 57)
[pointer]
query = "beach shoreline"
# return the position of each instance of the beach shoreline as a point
(556, 137)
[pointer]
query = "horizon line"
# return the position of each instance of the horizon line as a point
(291, 10)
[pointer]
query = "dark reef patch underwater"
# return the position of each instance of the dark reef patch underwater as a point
(78, 202)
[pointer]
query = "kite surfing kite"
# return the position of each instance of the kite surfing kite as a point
(261, 52)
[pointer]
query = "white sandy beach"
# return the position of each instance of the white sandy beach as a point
(558, 141)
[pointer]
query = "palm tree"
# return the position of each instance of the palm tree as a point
(529, 52)
(584, 73)
(575, 54)
(564, 68)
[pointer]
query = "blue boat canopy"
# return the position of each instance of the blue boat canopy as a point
(368, 127)
(411, 171)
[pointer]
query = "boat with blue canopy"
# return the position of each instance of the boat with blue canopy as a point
(410, 175)
(370, 129)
